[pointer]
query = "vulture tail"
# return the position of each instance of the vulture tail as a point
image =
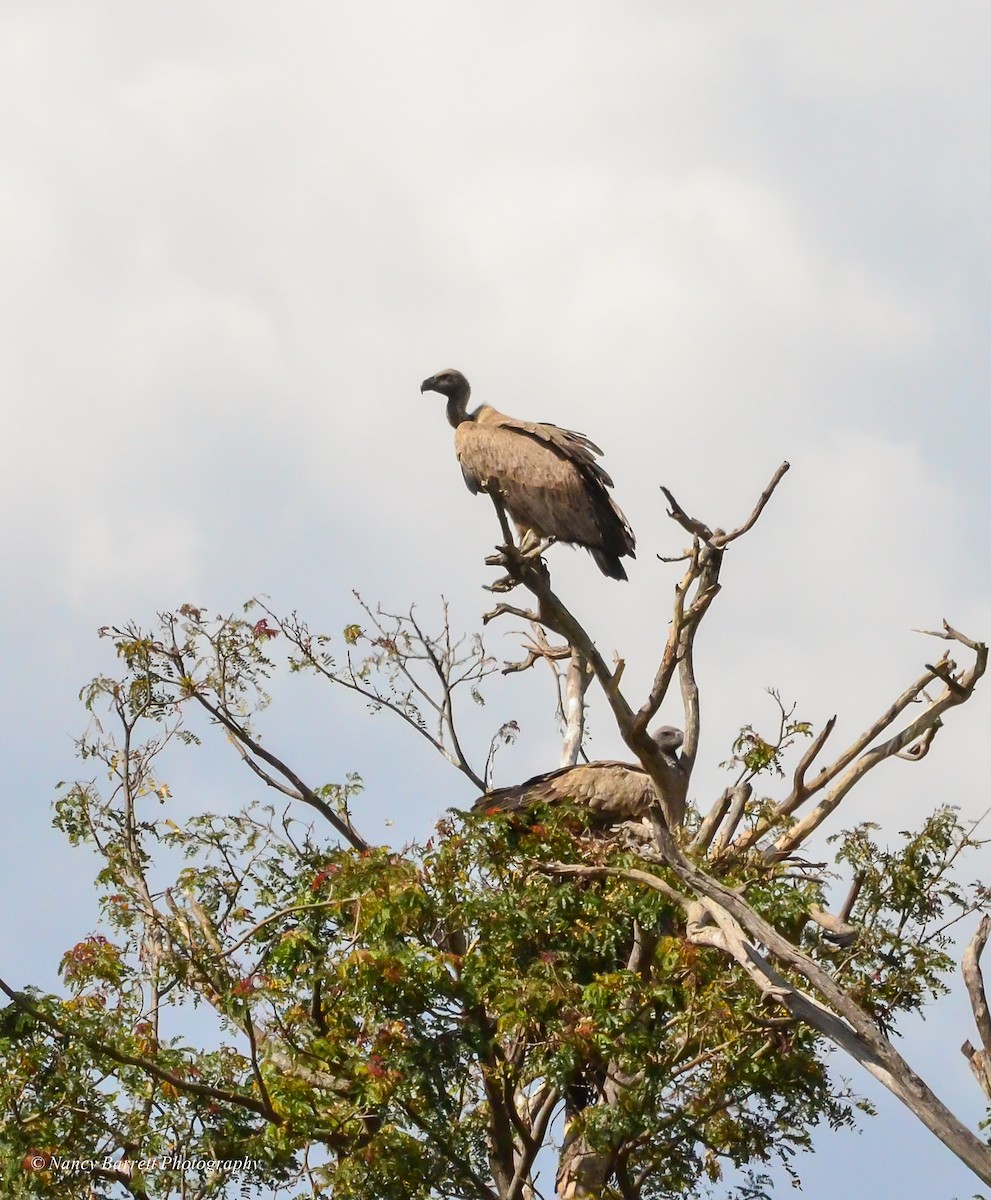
(609, 564)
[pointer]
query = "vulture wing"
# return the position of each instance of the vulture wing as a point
(550, 482)
(568, 443)
(610, 791)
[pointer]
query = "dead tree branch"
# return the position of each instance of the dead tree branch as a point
(707, 830)
(738, 804)
(862, 755)
(573, 708)
(693, 595)
(837, 930)
(980, 1060)
(724, 539)
(851, 896)
(957, 691)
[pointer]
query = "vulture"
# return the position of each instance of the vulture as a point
(546, 477)
(611, 792)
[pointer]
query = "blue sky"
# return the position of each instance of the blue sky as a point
(236, 237)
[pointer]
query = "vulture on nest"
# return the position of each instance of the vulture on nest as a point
(546, 477)
(611, 792)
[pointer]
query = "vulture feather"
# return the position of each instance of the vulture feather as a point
(609, 791)
(547, 477)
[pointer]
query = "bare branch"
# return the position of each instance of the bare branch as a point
(306, 794)
(738, 804)
(724, 539)
(962, 688)
(268, 780)
(980, 1060)
(707, 830)
(912, 743)
(837, 930)
(851, 897)
(690, 706)
(704, 566)
(583, 871)
(949, 634)
(803, 791)
(535, 652)
(703, 574)
(692, 525)
(920, 749)
(799, 790)
(576, 684)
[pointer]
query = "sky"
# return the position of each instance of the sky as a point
(235, 238)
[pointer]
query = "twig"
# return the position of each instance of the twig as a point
(724, 539)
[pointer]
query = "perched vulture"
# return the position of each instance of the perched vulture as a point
(546, 477)
(611, 791)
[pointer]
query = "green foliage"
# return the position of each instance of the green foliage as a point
(909, 899)
(374, 1004)
(755, 755)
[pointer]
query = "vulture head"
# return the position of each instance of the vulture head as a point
(449, 383)
(667, 738)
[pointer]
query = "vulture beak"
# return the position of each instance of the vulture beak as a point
(428, 385)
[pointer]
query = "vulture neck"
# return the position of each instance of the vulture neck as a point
(457, 406)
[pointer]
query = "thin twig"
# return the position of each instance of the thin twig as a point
(724, 539)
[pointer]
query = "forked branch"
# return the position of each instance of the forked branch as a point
(958, 687)
(693, 595)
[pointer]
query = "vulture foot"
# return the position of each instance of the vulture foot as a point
(519, 562)
(532, 547)
(507, 556)
(505, 584)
